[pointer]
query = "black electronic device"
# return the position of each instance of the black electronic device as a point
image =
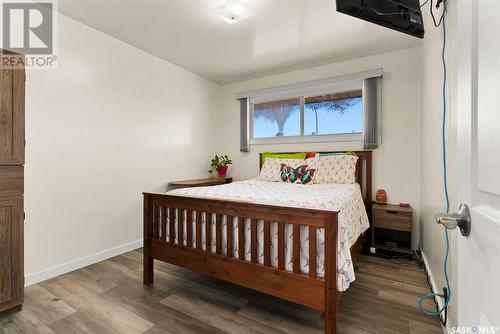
(401, 15)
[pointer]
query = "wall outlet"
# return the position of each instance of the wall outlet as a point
(373, 250)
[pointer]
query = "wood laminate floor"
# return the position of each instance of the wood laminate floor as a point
(108, 297)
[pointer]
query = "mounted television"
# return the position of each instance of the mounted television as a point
(401, 15)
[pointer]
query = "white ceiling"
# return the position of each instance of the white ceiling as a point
(283, 35)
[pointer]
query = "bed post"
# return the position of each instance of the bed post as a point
(148, 232)
(331, 231)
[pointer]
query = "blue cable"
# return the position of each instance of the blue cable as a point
(432, 294)
(445, 182)
(445, 75)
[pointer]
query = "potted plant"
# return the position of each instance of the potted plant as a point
(220, 164)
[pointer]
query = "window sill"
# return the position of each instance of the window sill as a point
(347, 137)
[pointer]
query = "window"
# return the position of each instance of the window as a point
(333, 114)
(276, 119)
(300, 118)
(344, 108)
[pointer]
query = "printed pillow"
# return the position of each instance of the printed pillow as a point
(270, 171)
(300, 175)
(340, 169)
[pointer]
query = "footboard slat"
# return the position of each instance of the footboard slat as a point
(208, 232)
(156, 221)
(296, 249)
(198, 218)
(281, 246)
(267, 243)
(172, 225)
(253, 240)
(189, 229)
(180, 227)
(241, 238)
(229, 236)
(218, 234)
(312, 252)
(164, 224)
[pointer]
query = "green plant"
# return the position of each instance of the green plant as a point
(219, 161)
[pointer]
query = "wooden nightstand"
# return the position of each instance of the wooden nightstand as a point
(391, 228)
(212, 181)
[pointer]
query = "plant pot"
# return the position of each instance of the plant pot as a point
(222, 171)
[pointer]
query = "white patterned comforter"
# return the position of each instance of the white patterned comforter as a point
(345, 198)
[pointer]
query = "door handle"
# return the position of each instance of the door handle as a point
(461, 219)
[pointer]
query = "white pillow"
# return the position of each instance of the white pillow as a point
(340, 169)
(270, 171)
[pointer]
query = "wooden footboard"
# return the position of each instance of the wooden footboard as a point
(163, 240)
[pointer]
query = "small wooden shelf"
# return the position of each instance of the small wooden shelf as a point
(212, 181)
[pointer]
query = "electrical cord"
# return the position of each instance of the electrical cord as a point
(431, 11)
(436, 23)
(432, 294)
(445, 182)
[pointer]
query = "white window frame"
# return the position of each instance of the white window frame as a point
(303, 91)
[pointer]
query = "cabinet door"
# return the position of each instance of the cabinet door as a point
(11, 180)
(11, 117)
(11, 252)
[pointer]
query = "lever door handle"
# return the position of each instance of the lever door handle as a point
(461, 219)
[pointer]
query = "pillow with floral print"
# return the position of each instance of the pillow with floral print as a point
(300, 175)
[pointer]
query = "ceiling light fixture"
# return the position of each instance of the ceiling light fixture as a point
(232, 11)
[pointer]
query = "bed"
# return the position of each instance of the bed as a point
(290, 241)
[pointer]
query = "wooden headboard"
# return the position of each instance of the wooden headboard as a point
(363, 172)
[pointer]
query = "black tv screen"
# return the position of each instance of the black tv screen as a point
(401, 15)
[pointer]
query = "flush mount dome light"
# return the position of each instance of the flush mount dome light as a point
(232, 11)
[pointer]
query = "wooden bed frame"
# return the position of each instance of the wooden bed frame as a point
(308, 290)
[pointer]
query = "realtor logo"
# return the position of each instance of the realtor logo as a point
(28, 28)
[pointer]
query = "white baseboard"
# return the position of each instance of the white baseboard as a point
(64, 268)
(435, 288)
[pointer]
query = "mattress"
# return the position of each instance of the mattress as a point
(345, 198)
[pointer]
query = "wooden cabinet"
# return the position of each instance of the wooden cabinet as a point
(11, 252)
(11, 189)
(392, 219)
(391, 228)
(11, 180)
